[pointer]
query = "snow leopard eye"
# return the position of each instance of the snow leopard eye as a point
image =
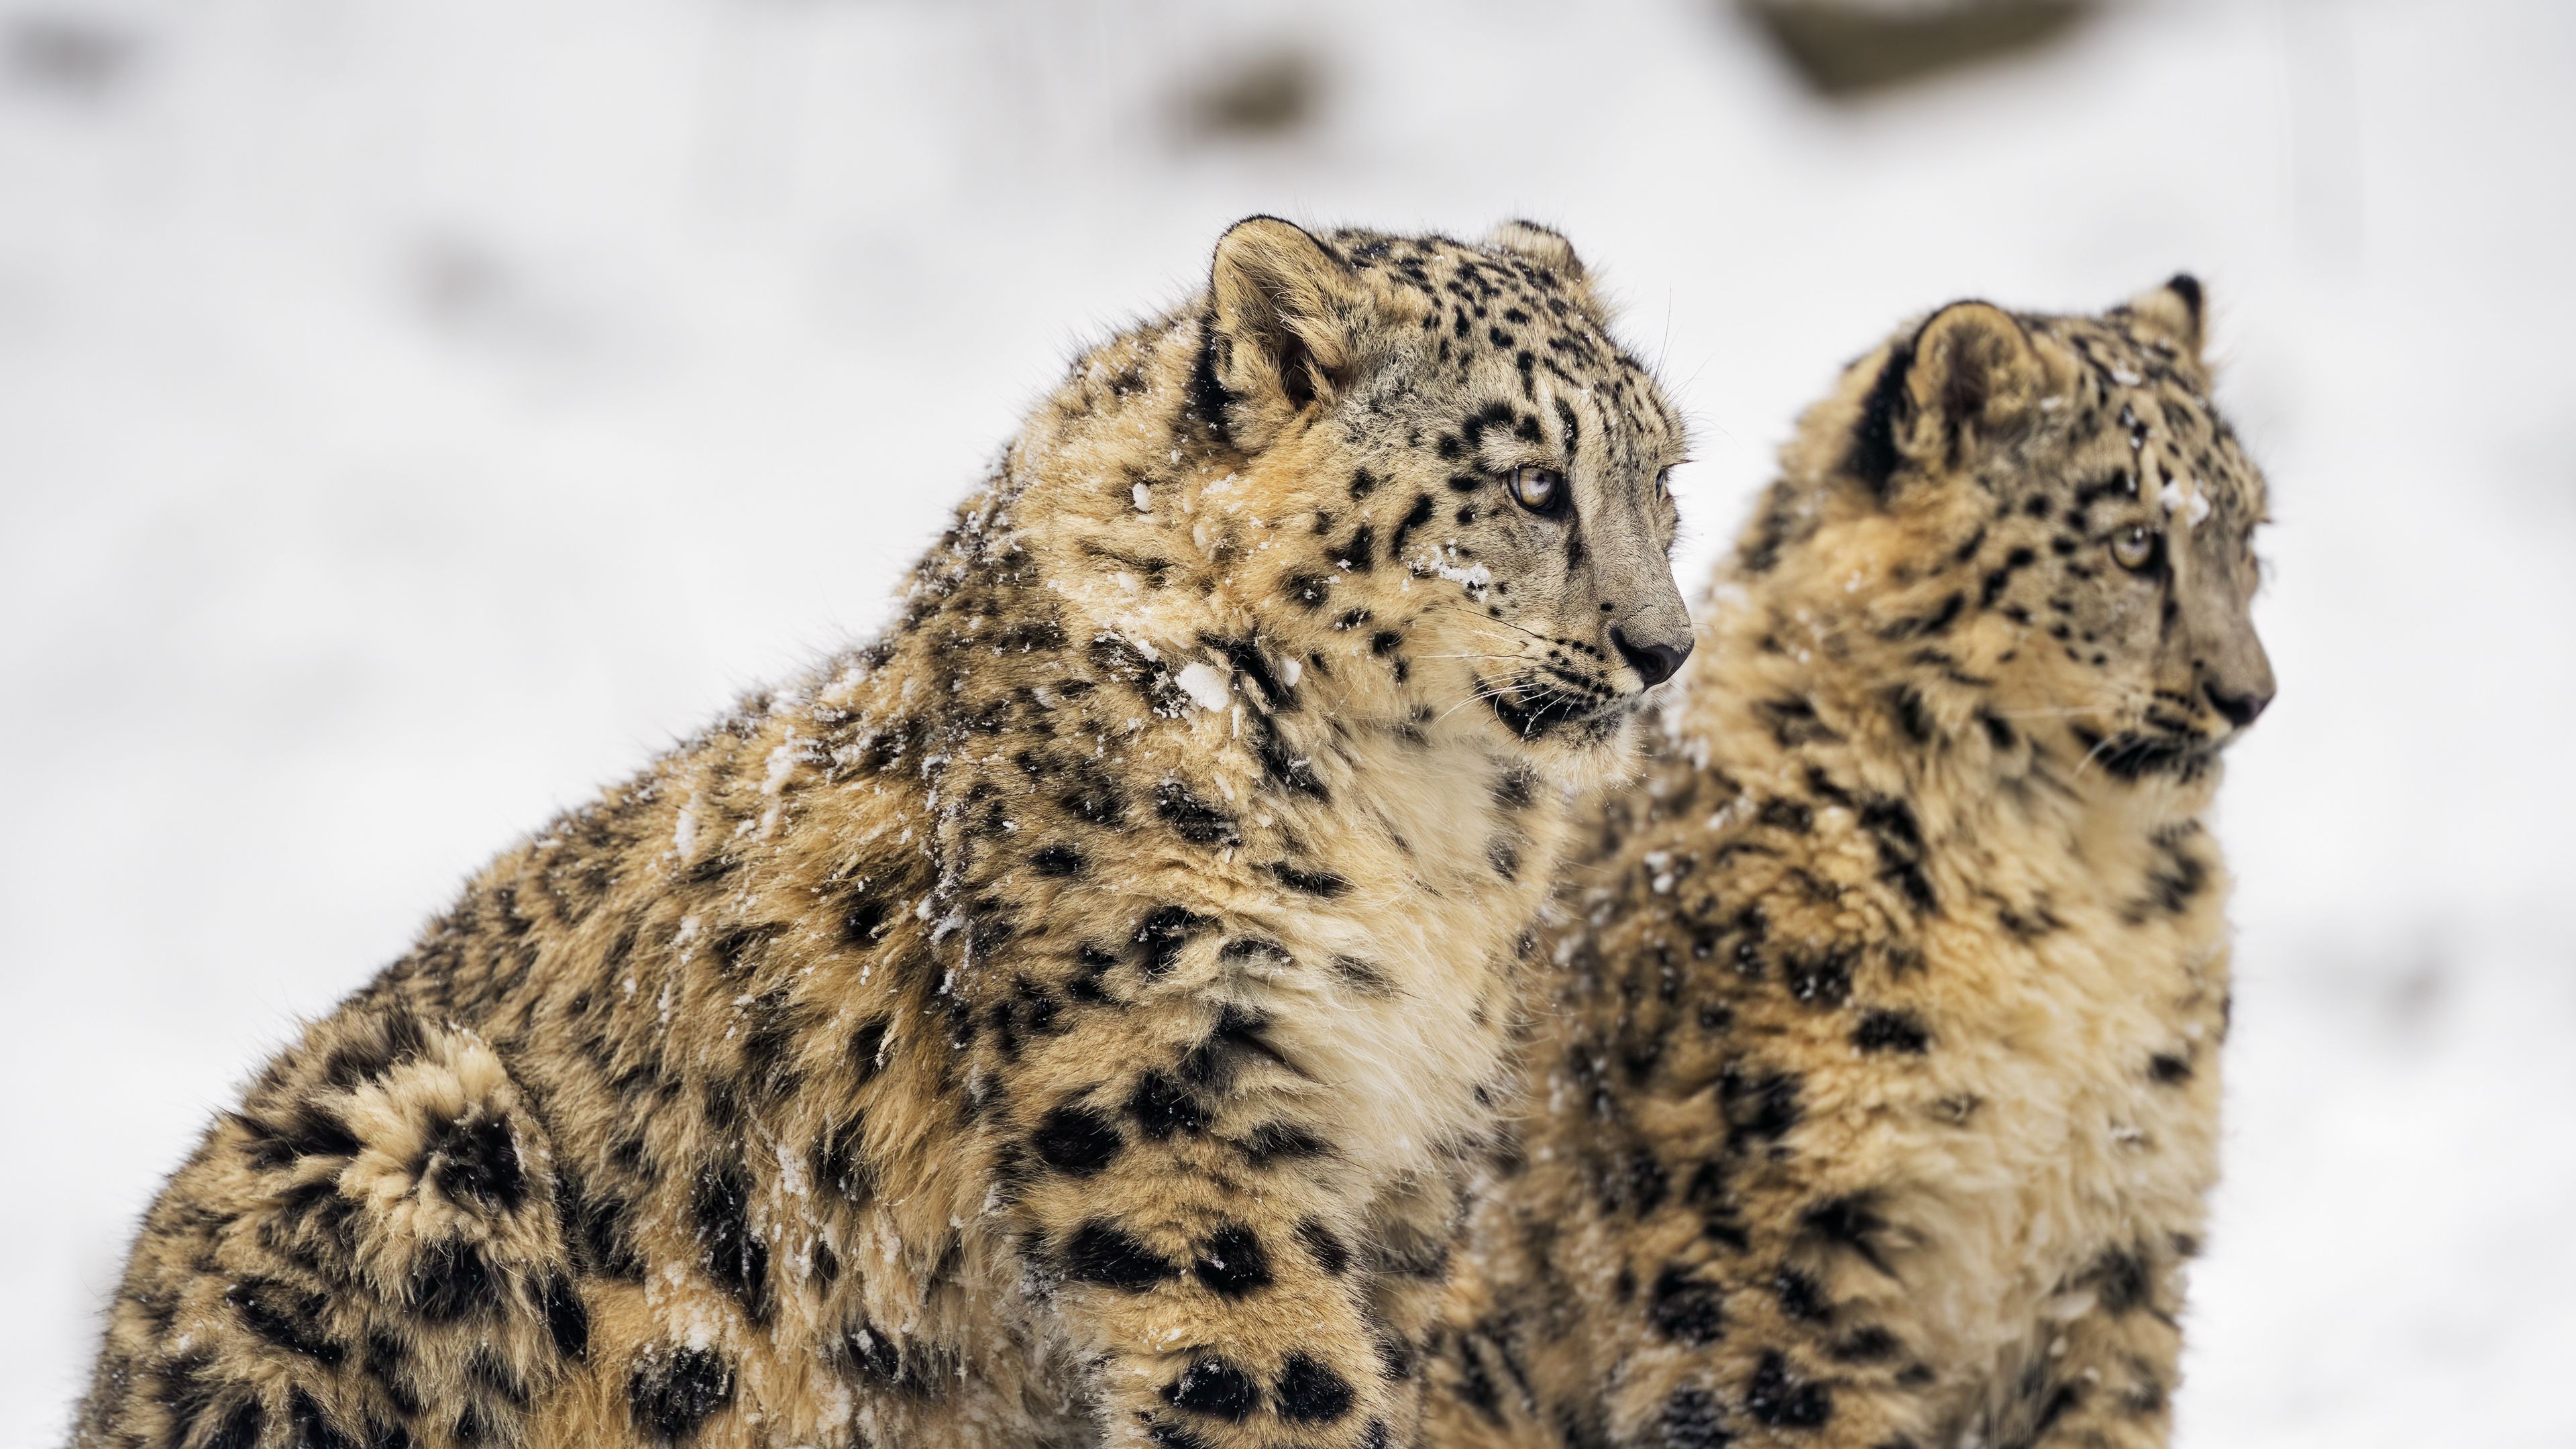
(1540, 490)
(1664, 483)
(2137, 547)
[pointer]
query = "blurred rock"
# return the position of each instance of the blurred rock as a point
(459, 283)
(1262, 95)
(484, 298)
(69, 55)
(1847, 48)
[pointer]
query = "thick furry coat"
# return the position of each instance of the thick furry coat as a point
(1059, 1022)
(1880, 1099)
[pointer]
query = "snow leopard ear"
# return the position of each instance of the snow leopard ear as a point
(2176, 313)
(1283, 326)
(1968, 377)
(1549, 248)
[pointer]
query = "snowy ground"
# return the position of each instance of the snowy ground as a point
(412, 415)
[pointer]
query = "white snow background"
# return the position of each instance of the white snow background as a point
(413, 415)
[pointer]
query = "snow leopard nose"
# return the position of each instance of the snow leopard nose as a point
(2240, 709)
(2236, 675)
(1653, 659)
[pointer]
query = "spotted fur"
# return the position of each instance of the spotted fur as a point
(1062, 1021)
(1881, 1099)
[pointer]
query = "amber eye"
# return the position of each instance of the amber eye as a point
(1540, 490)
(2136, 547)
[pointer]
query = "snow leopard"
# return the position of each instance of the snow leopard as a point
(1879, 1101)
(1064, 1020)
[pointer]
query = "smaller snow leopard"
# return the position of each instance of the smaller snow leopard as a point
(1064, 1021)
(1881, 1096)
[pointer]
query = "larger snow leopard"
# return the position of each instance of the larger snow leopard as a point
(1058, 1022)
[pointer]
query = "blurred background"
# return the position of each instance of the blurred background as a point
(412, 416)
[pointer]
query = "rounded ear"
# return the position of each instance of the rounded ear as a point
(1282, 317)
(2176, 312)
(1967, 377)
(1549, 248)
(1543, 245)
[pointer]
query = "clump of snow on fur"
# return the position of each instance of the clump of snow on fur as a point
(1205, 683)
